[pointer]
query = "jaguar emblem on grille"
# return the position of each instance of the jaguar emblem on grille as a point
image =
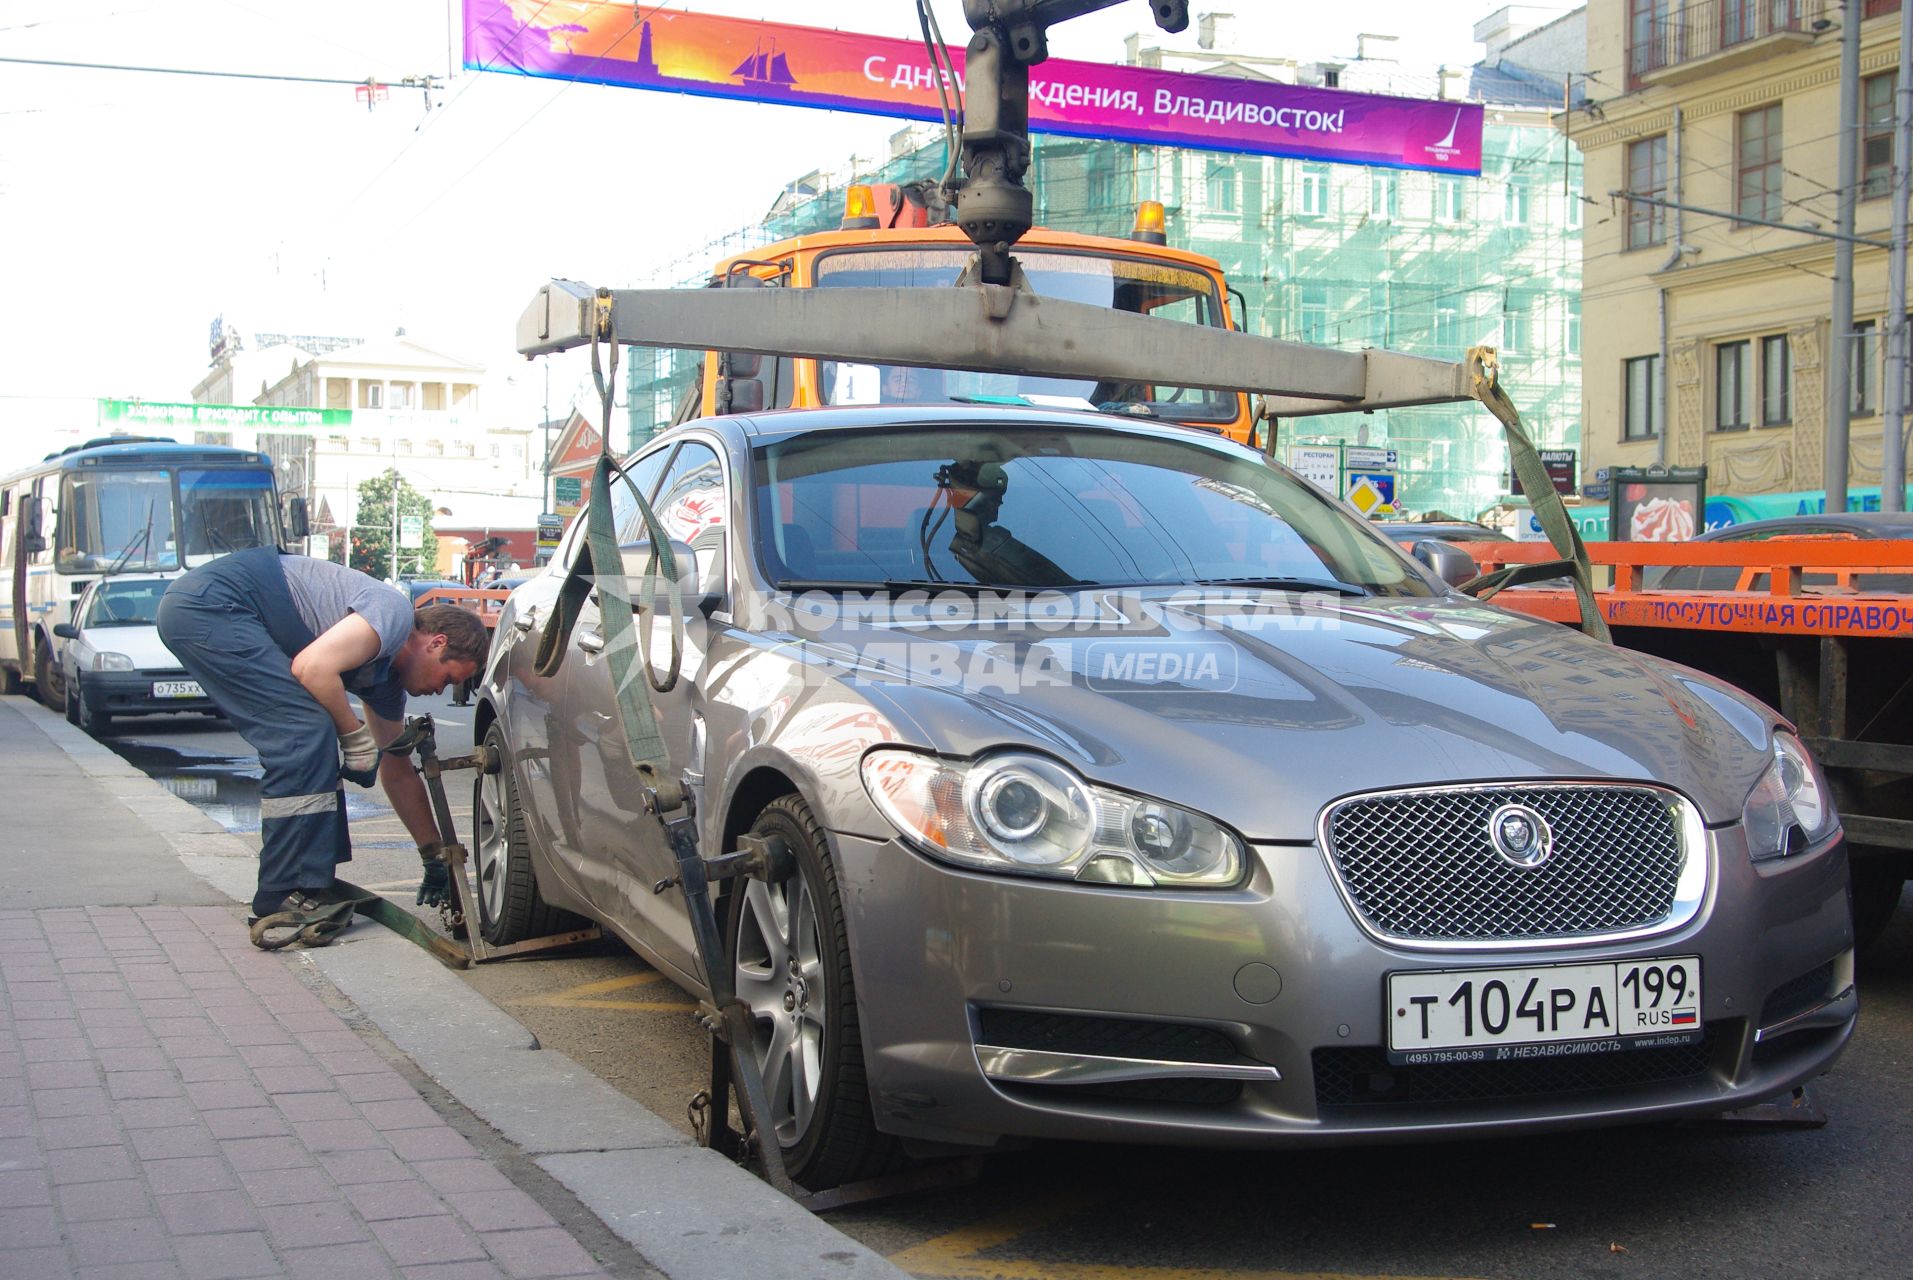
(1520, 835)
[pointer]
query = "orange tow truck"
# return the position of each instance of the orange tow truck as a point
(892, 237)
(1796, 631)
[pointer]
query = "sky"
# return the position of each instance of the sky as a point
(137, 206)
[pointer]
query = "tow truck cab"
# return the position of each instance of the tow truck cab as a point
(887, 241)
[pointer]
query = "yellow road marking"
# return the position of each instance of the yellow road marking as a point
(586, 996)
(955, 1256)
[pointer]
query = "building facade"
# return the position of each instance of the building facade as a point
(1344, 255)
(1708, 334)
(396, 404)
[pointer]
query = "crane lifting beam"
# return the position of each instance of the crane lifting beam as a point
(987, 329)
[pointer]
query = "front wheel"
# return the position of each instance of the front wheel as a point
(95, 723)
(510, 908)
(790, 955)
(43, 677)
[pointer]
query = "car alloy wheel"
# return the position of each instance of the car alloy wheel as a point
(790, 957)
(510, 907)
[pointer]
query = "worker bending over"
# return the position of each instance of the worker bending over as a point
(277, 642)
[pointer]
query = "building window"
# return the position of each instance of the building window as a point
(1222, 185)
(1331, 77)
(1641, 412)
(1312, 313)
(1876, 136)
(1776, 382)
(1448, 200)
(401, 395)
(1863, 357)
(371, 395)
(1647, 176)
(1314, 196)
(1757, 177)
(1381, 193)
(1518, 320)
(1573, 216)
(1514, 201)
(1647, 30)
(1733, 385)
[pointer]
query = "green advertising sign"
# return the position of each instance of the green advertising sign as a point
(152, 414)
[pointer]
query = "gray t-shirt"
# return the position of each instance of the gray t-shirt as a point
(324, 592)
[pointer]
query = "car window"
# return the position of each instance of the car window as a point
(124, 604)
(693, 506)
(644, 475)
(1052, 508)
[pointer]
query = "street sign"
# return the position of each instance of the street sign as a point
(1371, 492)
(1319, 464)
(551, 527)
(411, 533)
(1359, 457)
(319, 546)
(567, 495)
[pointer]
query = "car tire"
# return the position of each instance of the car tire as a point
(97, 724)
(73, 702)
(806, 1036)
(510, 908)
(1877, 884)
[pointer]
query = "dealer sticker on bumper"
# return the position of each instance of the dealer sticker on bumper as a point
(1538, 1011)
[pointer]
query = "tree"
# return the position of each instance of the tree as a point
(372, 534)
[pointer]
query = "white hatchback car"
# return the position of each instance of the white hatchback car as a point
(114, 663)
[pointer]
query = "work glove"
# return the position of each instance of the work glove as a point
(361, 752)
(435, 888)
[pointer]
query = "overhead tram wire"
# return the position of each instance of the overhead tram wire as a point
(177, 71)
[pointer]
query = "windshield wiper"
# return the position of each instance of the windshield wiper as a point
(1288, 584)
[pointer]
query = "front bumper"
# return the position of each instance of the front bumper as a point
(130, 693)
(1255, 1017)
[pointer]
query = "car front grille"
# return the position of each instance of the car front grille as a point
(1363, 1077)
(1421, 865)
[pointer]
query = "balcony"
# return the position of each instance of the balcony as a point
(1671, 41)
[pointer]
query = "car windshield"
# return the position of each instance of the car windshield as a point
(124, 604)
(1138, 285)
(1056, 507)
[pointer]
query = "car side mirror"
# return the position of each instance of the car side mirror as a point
(66, 631)
(1446, 561)
(298, 519)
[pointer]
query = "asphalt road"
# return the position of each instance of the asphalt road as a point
(1694, 1200)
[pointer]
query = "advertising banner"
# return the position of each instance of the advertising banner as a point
(567, 495)
(602, 42)
(1562, 471)
(1657, 504)
(1319, 464)
(161, 415)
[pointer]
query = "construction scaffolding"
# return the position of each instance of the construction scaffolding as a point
(1341, 255)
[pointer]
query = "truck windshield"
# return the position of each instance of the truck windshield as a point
(1139, 285)
(116, 520)
(1053, 507)
(228, 509)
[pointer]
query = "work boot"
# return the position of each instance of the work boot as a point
(302, 918)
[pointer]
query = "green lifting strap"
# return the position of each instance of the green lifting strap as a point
(1532, 474)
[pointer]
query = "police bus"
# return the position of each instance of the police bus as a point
(121, 504)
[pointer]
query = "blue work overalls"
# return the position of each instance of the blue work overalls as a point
(233, 625)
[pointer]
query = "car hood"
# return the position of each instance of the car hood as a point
(1262, 709)
(141, 644)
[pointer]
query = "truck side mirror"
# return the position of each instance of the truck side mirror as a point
(298, 521)
(32, 525)
(1448, 562)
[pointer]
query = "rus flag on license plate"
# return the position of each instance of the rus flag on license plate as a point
(1684, 1018)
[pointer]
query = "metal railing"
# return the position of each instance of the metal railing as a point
(1670, 33)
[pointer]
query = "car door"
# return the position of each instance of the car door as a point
(692, 504)
(556, 721)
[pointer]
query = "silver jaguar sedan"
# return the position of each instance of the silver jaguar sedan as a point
(1139, 792)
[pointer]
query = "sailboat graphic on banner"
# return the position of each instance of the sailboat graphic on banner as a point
(765, 67)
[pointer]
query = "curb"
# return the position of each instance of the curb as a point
(691, 1213)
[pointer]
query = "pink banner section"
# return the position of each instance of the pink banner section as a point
(620, 44)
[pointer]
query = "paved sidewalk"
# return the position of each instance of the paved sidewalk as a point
(174, 1102)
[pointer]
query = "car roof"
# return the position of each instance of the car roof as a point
(1863, 524)
(780, 424)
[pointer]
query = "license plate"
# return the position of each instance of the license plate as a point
(1489, 1015)
(177, 689)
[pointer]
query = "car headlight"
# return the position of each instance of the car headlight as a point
(103, 661)
(1790, 809)
(1025, 814)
